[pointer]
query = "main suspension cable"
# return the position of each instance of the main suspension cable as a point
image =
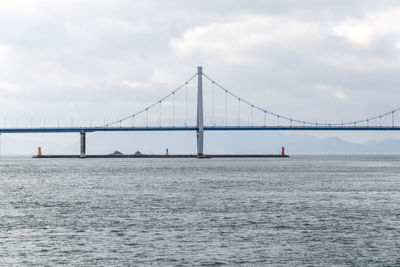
(303, 122)
(152, 105)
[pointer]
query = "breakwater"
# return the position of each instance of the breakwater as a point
(168, 156)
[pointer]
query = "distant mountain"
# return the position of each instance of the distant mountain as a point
(231, 142)
(215, 142)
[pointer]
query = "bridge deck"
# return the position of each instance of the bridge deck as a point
(193, 128)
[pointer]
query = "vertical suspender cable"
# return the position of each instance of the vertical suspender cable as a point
(392, 118)
(212, 100)
(173, 109)
(238, 121)
(265, 118)
(147, 117)
(252, 118)
(160, 116)
(186, 120)
(226, 108)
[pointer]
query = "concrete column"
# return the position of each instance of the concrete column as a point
(83, 145)
(200, 124)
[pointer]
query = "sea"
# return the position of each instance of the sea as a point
(306, 210)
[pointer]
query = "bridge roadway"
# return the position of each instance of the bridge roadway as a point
(194, 128)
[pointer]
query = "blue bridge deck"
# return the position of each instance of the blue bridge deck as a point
(193, 128)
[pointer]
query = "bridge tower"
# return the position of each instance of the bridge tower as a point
(200, 123)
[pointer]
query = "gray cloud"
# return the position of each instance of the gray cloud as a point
(105, 59)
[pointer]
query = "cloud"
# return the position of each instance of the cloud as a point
(368, 29)
(237, 41)
(298, 58)
(358, 62)
(329, 91)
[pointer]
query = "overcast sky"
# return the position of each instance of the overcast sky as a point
(310, 59)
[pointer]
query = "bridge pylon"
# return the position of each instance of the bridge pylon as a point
(200, 122)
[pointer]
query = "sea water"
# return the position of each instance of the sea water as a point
(303, 210)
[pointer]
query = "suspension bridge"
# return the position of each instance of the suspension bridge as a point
(258, 118)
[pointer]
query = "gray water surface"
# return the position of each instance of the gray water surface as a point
(304, 210)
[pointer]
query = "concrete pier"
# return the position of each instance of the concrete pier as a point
(83, 145)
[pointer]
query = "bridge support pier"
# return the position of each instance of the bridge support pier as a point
(83, 145)
(200, 123)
